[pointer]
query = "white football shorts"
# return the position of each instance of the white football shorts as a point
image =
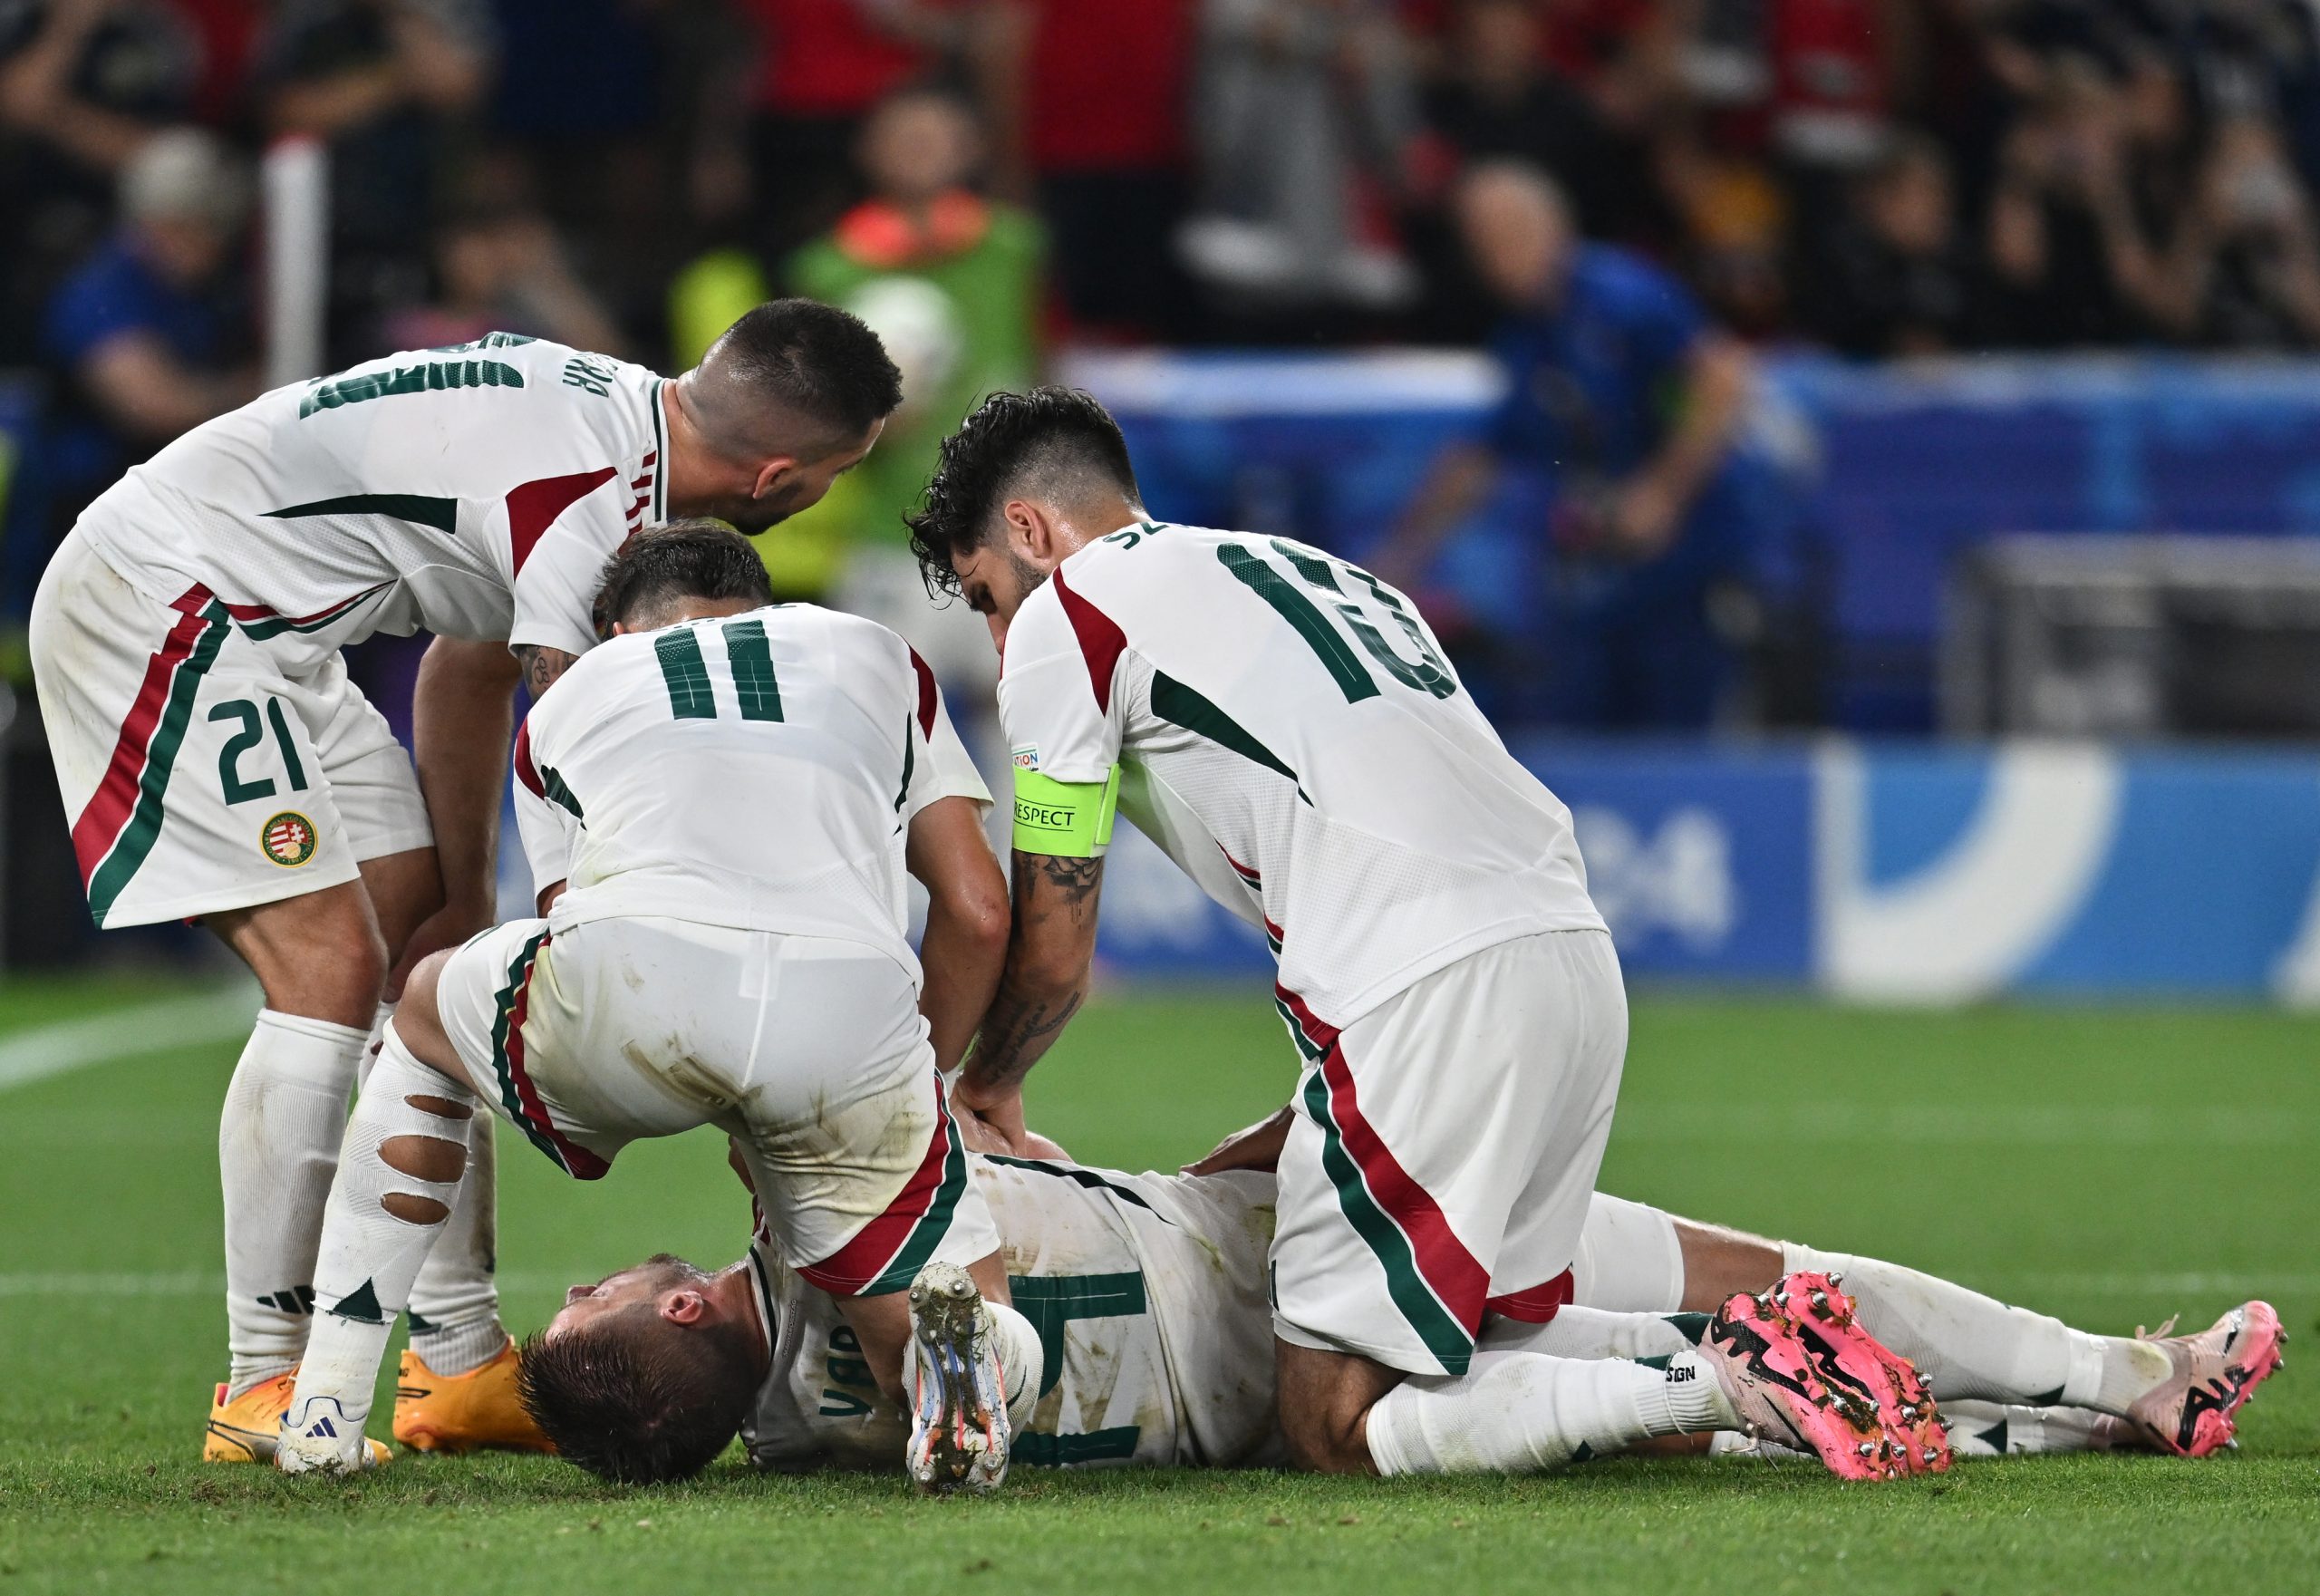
(197, 776)
(809, 1051)
(1443, 1151)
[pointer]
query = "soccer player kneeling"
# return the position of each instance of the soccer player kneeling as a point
(719, 803)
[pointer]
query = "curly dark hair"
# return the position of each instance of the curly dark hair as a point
(1046, 438)
(638, 1401)
(683, 559)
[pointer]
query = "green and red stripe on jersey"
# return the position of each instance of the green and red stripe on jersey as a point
(1436, 1284)
(259, 622)
(117, 828)
(886, 1253)
(517, 1093)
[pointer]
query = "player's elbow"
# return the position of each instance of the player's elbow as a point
(982, 917)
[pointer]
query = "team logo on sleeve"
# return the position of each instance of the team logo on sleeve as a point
(288, 839)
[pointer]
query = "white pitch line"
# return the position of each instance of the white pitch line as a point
(216, 1016)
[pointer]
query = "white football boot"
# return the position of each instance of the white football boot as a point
(959, 1433)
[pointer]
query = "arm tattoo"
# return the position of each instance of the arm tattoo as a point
(541, 666)
(1074, 880)
(1055, 908)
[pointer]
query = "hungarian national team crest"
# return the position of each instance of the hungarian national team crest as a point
(288, 839)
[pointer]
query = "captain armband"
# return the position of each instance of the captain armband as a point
(1065, 820)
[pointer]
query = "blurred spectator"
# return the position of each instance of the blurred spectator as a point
(821, 66)
(147, 337)
(951, 281)
(150, 332)
(1496, 98)
(574, 112)
(2262, 264)
(82, 83)
(93, 76)
(1301, 105)
(2062, 234)
(382, 81)
(1898, 278)
(503, 271)
(1089, 101)
(1622, 395)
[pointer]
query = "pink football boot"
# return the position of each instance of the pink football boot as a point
(1803, 1374)
(2217, 1371)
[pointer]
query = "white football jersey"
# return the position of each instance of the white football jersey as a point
(1149, 1294)
(758, 772)
(475, 491)
(1288, 731)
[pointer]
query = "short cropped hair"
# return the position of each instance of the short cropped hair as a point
(637, 1401)
(813, 359)
(1053, 437)
(662, 566)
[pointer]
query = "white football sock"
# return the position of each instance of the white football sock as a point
(454, 1314)
(455, 1324)
(1591, 1332)
(277, 1143)
(1015, 1343)
(1514, 1412)
(1972, 1347)
(1022, 1359)
(369, 1256)
(1991, 1429)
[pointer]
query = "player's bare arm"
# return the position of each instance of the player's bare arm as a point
(540, 666)
(462, 721)
(1050, 952)
(965, 945)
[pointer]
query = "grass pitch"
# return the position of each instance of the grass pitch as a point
(2110, 1167)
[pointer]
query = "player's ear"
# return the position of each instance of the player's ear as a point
(772, 474)
(620, 629)
(1030, 532)
(684, 1306)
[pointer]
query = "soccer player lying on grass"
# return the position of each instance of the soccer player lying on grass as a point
(719, 802)
(1149, 1291)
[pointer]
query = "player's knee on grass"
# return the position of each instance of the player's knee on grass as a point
(636, 1399)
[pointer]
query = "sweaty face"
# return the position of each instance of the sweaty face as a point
(995, 581)
(640, 1282)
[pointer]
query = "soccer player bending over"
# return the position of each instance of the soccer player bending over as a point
(720, 804)
(218, 765)
(1285, 727)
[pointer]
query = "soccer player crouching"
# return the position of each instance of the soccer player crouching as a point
(699, 966)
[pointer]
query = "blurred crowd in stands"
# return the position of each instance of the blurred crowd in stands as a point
(1624, 195)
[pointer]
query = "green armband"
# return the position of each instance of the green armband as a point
(1063, 820)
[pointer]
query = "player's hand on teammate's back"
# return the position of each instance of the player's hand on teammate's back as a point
(993, 1124)
(1257, 1147)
